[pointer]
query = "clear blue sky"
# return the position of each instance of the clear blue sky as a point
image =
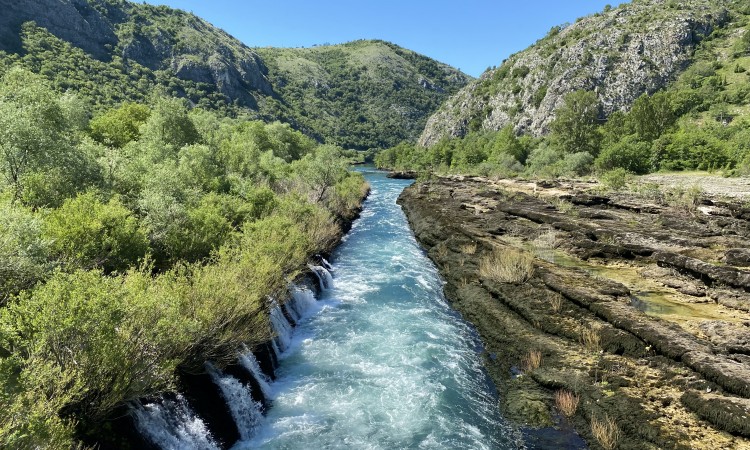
(470, 34)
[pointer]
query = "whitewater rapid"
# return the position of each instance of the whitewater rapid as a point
(381, 361)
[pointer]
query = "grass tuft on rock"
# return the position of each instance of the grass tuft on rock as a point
(507, 266)
(606, 432)
(532, 361)
(566, 402)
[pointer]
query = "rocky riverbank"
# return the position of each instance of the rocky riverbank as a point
(635, 304)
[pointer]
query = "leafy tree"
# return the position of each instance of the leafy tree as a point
(468, 155)
(199, 167)
(119, 126)
(86, 233)
(24, 253)
(287, 143)
(240, 152)
(169, 127)
(575, 125)
(506, 142)
(164, 203)
(32, 127)
(617, 126)
(651, 116)
(694, 148)
(320, 171)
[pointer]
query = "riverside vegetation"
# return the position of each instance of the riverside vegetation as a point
(141, 243)
(151, 202)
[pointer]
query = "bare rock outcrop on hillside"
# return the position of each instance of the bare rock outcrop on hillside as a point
(621, 53)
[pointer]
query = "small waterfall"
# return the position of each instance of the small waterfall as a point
(292, 311)
(246, 412)
(171, 424)
(281, 326)
(303, 300)
(324, 276)
(249, 362)
(326, 264)
(276, 349)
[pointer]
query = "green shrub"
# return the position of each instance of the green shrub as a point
(630, 154)
(544, 162)
(23, 250)
(86, 233)
(88, 343)
(615, 179)
(694, 148)
(577, 164)
(119, 126)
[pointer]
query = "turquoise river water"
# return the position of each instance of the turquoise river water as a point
(381, 361)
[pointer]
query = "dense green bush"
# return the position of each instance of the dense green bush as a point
(615, 179)
(86, 233)
(119, 126)
(692, 149)
(24, 253)
(630, 154)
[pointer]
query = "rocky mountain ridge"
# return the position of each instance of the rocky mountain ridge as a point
(158, 38)
(621, 53)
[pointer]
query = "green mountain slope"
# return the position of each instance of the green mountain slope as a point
(361, 95)
(621, 53)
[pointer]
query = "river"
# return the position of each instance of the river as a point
(382, 361)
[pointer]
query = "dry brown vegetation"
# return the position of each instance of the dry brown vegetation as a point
(469, 249)
(606, 432)
(532, 360)
(566, 402)
(556, 304)
(507, 266)
(590, 338)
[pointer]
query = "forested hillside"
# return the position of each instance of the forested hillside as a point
(362, 95)
(695, 118)
(358, 95)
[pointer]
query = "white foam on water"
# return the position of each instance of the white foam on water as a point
(245, 411)
(383, 362)
(172, 425)
(250, 363)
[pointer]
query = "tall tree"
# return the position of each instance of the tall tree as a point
(32, 127)
(575, 126)
(651, 116)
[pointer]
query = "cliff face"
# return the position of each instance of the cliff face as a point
(620, 53)
(158, 38)
(75, 21)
